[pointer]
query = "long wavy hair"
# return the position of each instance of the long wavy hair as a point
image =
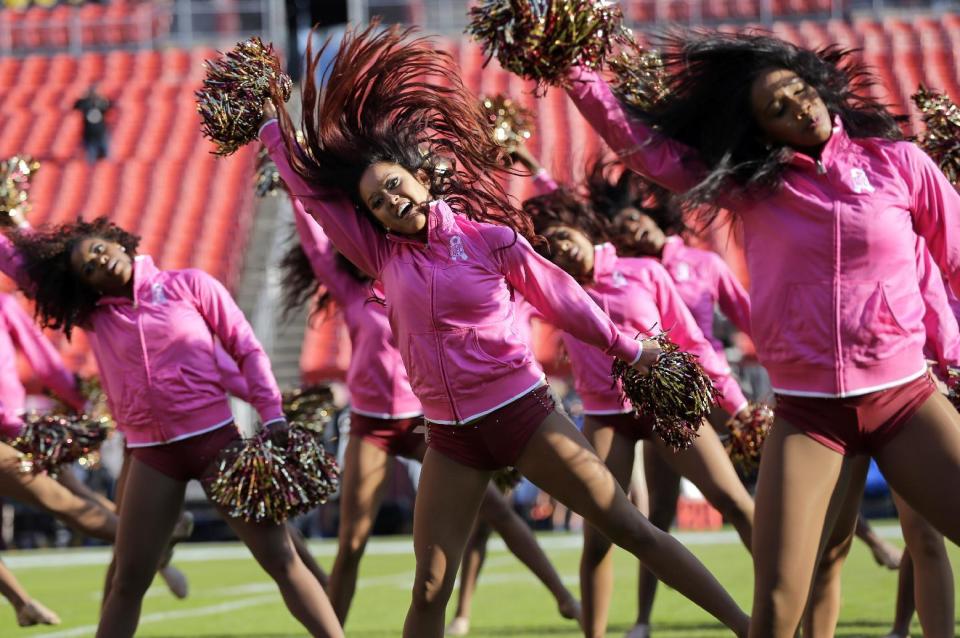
(300, 284)
(611, 187)
(708, 107)
(565, 207)
(63, 299)
(393, 97)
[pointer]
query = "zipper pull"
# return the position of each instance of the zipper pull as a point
(821, 169)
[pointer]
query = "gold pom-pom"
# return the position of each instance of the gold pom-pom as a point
(267, 180)
(676, 393)
(639, 77)
(542, 39)
(941, 139)
(47, 442)
(512, 123)
(312, 407)
(747, 436)
(231, 100)
(16, 173)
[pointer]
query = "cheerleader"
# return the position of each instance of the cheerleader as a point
(443, 240)
(385, 418)
(831, 202)
(152, 333)
(638, 295)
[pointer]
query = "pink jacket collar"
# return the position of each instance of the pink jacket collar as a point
(441, 220)
(144, 270)
(671, 247)
(839, 141)
(604, 261)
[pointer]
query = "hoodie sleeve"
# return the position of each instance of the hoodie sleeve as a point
(943, 334)
(935, 206)
(676, 318)
(322, 254)
(560, 299)
(12, 263)
(40, 353)
(662, 160)
(351, 232)
(732, 298)
(228, 323)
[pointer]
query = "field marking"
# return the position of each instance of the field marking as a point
(202, 552)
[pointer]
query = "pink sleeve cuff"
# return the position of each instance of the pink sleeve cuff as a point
(627, 348)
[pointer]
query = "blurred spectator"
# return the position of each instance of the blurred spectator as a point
(94, 108)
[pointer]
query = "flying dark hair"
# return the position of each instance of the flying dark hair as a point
(394, 98)
(612, 187)
(300, 283)
(707, 106)
(564, 207)
(63, 299)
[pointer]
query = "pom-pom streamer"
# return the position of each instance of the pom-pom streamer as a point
(267, 180)
(953, 384)
(311, 407)
(747, 437)
(278, 473)
(542, 39)
(941, 139)
(48, 441)
(676, 393)
(640, 79)
(16, 173)
(512, 123)
(231, 100)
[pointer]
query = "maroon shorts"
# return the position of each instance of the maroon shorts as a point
(394, 436)
(856, 425)
(496, 440)
(191, 458)
(628, 425)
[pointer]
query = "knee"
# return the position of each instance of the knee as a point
(924, 542)
(631, 531)
(131, 580)
(431, 590)
(352, 545)
(278, 561)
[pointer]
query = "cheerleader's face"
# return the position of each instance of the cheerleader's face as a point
(103, 265)
(571, 250)
(396, 197)
(789, 111)
(640, 231)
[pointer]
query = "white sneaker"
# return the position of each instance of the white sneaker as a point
(176, 581)
(459, 626)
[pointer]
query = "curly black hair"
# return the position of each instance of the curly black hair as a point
(612, 187)
(707, 107)
(565, 207)
(64, 300)
(300, 283)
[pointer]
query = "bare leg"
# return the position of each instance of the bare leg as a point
(905, 605)
(886, 554)
(801, 489)
(303, 551)
(932, 574)
(148, 514)
(362, 481)
(596, 561)
(473, 559)
(29, 612)
(823, 608)
(587, 487)
(444, 514)
(663, 484)
(496, 512)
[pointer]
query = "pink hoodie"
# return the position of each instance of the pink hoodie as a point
(156, 353)
(640, 297)
(836, 307)
(450, 301)
(19, 332)
(376, 378)
(703, 278)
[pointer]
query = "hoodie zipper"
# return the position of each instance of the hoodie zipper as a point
(436, 334)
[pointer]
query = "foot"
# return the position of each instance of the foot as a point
(176, 581)
(887, 555)
(570, 608)
(33, 613)
(459, 626)
(640, 630)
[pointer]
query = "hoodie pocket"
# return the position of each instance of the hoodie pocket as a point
(800, 331)
(872, 329)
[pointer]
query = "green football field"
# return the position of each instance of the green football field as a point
(230, 596)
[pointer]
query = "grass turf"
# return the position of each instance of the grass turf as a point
(231, 596)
